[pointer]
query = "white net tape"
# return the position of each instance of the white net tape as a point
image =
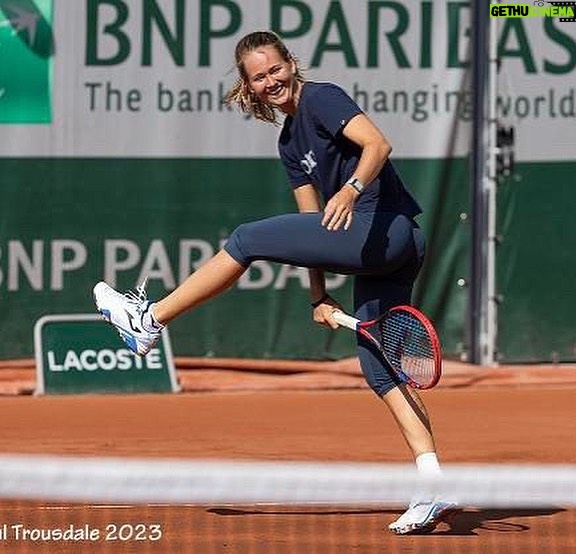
(217, 482)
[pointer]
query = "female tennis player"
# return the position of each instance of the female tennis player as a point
(355, 217)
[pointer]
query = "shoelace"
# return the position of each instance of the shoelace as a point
(139, 294)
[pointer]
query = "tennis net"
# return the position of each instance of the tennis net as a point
(67, 504)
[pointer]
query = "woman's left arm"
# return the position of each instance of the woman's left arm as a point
(375, 152)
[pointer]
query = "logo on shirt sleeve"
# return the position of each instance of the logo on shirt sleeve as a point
(309, 162)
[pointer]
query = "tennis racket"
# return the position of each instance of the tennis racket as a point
(408, 341)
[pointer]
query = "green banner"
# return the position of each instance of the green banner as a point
(78, 354)
(76, 222)
(80, 221)
(535, 264)
(26, 48)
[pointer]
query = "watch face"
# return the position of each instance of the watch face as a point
(356, 184)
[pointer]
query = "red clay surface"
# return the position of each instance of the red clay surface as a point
(223, 374)
(507, 415)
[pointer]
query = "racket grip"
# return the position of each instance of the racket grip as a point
(345, 320)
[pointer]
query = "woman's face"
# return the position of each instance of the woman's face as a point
(271, 78)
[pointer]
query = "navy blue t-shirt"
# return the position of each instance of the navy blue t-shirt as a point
(314, 151)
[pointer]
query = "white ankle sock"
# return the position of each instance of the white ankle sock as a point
(427, 464)
(149, 322)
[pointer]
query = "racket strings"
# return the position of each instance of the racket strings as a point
(407, 346)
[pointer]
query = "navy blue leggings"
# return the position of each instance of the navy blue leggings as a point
(384, 251)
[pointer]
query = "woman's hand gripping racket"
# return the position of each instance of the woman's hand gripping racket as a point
(408, 341)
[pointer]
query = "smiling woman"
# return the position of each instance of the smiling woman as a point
(269, 77)
(272, 79)
(355, 217)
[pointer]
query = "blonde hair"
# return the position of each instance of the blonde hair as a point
(240, 94)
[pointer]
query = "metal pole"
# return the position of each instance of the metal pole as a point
(482, 281)
(491, 185)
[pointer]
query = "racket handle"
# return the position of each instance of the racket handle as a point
(345, 320)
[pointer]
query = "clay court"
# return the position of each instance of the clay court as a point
(514, 415)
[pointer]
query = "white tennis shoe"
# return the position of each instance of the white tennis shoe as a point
(125, 311)
(422, 517)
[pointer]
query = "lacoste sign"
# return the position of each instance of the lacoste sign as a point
(81, 354)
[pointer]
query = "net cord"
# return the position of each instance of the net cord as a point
(115, 480)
